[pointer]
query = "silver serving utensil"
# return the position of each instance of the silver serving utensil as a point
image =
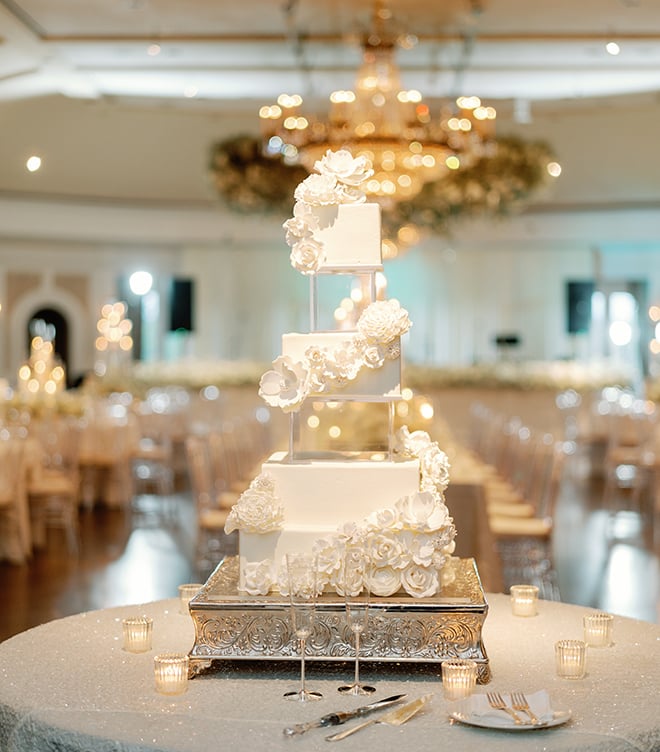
(394, 717)
(335, 719)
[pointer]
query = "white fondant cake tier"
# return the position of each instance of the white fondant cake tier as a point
(370, 384)
(350, 235)
(317, 496)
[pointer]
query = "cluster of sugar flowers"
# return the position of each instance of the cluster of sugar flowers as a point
(407, 547)
(258, 509)
(337, 181)
(379, 328)
(433, 462)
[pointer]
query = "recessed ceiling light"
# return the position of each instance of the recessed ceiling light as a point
(33, 163)
(613, 48)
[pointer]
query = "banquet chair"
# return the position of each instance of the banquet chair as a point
(152, 459)
(524, 543)
(630, 453)
(54, 491)
(226, 470)
(14, 529)
(212, 543)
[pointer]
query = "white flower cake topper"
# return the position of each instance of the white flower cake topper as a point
(339, 176)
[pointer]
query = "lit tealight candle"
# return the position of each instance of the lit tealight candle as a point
(171, 673)
(137, 632)
(570, 658)
(186, 593)
(524, 600)
(459, 677)
(598, 630)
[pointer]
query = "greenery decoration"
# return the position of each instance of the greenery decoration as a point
(495, 185)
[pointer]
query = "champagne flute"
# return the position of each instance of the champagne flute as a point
(301, 572)
(355, 586)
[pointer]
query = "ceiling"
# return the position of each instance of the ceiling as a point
(214, 51)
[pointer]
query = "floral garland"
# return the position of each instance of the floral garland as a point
(409, 544)
(495, 185)
(288, 383)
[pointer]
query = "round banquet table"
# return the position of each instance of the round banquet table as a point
(69, 685)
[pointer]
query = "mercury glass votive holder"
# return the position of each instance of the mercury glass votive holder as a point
(459, 677)
(186, 593)
(171, 673)
(571, 659)
(524, 600)
(598, 630)
(137, 631)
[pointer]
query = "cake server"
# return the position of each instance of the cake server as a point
(335, 719)
(395, 717)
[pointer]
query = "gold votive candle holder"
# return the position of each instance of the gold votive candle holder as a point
(459, 677)
(171, 673)
(524, 600)
(186, 593)
(598, 630)
(137, 632)
(571, 659)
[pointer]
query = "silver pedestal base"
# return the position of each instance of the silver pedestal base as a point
(230, 625)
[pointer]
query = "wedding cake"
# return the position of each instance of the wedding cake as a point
(391, 503)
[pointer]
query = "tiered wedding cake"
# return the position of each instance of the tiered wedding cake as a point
(391, 503)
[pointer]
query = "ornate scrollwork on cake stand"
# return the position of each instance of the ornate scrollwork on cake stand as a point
(230, 625)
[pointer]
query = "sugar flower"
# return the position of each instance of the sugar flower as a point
(420, 582)
(307, 255)
(345, 168)
(317, 190)
(257, 579)
(383, 320)
(422, 511)
(286, 385)
(258, 509)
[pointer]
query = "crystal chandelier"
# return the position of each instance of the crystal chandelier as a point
(381, 120)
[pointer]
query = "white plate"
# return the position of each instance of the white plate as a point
(559, 717)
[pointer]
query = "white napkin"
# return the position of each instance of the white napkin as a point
(477, 706)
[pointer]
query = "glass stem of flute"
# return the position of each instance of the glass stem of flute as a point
(357, 632)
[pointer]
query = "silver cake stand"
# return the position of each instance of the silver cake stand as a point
(235, 626)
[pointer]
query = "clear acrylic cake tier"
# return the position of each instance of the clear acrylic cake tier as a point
(230, 625)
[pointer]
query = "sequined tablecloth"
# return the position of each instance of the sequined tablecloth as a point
(68, 685)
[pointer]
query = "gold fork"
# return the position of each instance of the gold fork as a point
(496, 701)
(519, 702)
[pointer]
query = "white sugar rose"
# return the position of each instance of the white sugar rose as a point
(420, 546)
(387, 550)
(344, 364)
(384, 581)
(411, 444)
(329, 553)
(257, 578)
(383, 519)
(345, 168)
(307, 255)
(318, 190)
(420, 582)
(422, 511)
(258, 509)
(286, 385)
(434, 466)
(383, 321)
(302, 224)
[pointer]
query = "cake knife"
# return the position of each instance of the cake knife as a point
(335, 719)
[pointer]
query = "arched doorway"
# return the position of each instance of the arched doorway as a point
(54, 318)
